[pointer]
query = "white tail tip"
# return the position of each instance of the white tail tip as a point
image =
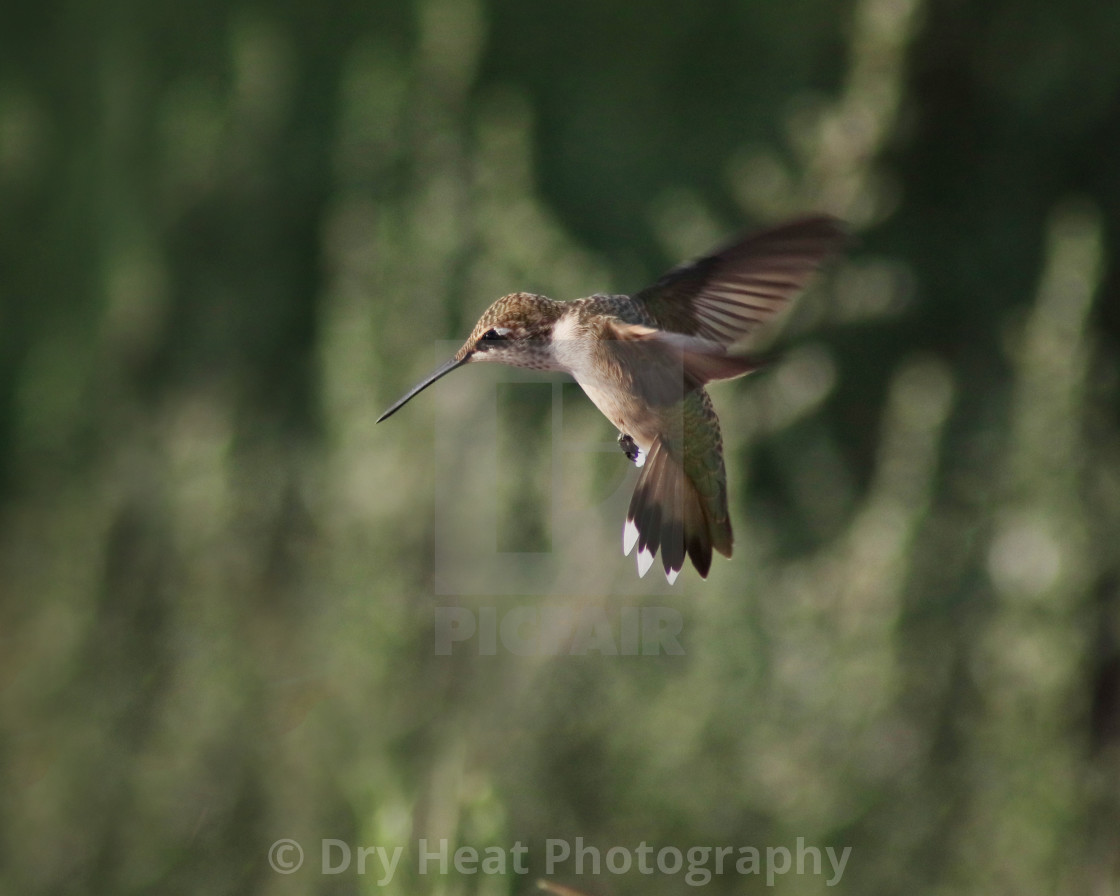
(629, 537)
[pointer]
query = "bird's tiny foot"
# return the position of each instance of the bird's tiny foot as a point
(629, 447)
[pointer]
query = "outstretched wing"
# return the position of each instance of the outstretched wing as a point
(724, 296)
(662, 367)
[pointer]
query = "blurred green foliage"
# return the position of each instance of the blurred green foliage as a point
(231, 234)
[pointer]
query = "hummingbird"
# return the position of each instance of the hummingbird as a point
(644, 361)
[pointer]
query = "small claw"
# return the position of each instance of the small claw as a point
(630, 448)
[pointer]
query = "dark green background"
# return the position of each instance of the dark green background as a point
(231, 234)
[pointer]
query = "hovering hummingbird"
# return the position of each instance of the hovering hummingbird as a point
(644, 360)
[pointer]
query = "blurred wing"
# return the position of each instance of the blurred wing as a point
(724, 296)
(663, 367)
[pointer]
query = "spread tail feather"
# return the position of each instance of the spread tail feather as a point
(668, 512)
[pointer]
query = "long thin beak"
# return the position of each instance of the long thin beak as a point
(443, 370)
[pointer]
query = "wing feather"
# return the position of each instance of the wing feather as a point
(727, 295)
(663, 367)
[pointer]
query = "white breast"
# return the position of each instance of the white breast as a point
(577, 352)
(570, 348)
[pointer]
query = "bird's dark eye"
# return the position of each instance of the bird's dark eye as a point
(491, 338)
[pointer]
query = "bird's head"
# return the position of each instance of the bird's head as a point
(515, 330)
